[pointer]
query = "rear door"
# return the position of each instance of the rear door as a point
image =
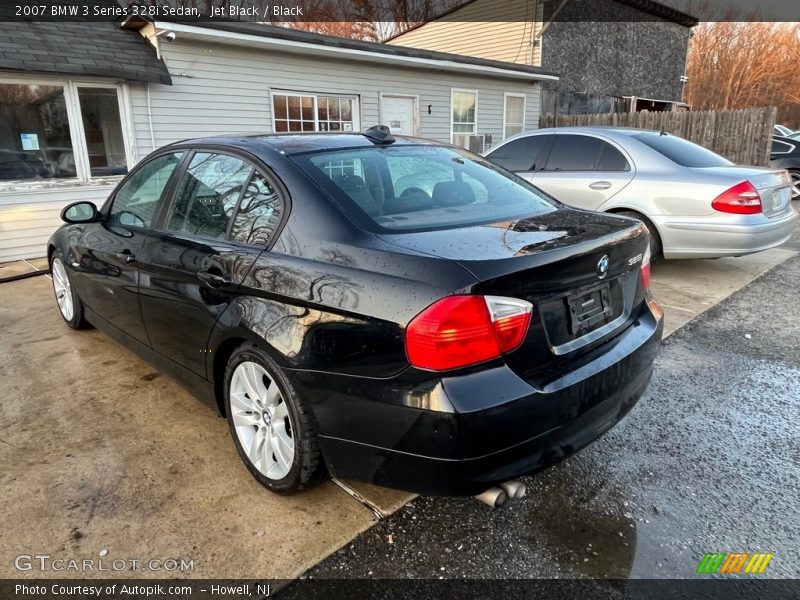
(107, 252)
(584, 170)
(218, 222)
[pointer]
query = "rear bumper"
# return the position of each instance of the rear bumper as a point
(728, 236)
(460, 435)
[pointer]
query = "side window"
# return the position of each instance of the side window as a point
(135, 202)
(611, 159)
(779, 147)
(574, 153)
(522, 154)
(259, 213)
(207, 195)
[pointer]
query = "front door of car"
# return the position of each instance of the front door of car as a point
(583, 171)
(523, 155)
(205, 242)
(106, 253)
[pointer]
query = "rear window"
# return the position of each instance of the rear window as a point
(681, 151)
(416, 188)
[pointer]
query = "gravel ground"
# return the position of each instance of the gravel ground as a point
(708, 461)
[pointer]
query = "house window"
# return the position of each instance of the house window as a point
(514, 114)
(464, 116)
(60, 131)
(102, 127)
(314, 112)
(35, 137)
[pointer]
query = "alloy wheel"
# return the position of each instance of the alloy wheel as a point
(261, 420)
(795, 186)
(63, 289)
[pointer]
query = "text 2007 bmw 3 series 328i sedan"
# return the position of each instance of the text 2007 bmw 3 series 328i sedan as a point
(387, 310)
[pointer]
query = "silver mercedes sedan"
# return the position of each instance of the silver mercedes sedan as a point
(696, 203)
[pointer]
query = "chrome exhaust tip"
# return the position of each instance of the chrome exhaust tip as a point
(493, 497)
(514, 489)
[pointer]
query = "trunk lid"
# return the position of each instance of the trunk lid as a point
(773, 185)
(579, 269)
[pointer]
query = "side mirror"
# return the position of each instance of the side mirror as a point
(79, 212)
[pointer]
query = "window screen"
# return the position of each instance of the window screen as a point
(207, 195)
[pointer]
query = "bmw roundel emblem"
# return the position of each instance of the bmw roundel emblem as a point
(602, 266)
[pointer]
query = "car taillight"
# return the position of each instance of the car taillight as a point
(741, 199)
(644, 272)
(459, 331)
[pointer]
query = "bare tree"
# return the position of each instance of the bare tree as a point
(745, 64)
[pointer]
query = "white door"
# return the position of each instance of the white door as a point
(399, 113)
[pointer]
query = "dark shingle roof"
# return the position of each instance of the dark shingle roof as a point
(101, 49)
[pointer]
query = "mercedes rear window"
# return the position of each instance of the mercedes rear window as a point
(421, 188)
(681, 151)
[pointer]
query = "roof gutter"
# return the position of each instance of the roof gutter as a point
(184, 31)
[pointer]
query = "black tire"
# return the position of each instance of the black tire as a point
(655, 240)
(78, 320)
(308, 468)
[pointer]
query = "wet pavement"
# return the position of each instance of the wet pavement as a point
(708, 461)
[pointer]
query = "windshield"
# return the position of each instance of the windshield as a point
(416, 188)
(681, 151)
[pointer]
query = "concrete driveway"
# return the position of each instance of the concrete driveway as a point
(101, 456)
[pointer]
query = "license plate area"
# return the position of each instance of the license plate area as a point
(588, 308)
(777, 203)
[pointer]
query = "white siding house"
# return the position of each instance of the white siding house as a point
(252, 79)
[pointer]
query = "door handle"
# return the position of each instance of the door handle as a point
(213, 279)
(600, 185)
(126, 257)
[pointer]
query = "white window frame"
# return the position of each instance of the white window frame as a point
(76, 130)
(506, 96)
(356, 98)
(453, 92)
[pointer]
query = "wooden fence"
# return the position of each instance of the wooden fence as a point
(742, 136)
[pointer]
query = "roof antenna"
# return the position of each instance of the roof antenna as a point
(379, 134)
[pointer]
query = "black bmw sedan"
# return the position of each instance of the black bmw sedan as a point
(394, 311)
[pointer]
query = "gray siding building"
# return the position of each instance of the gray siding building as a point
(612, 55)
(71, 133)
